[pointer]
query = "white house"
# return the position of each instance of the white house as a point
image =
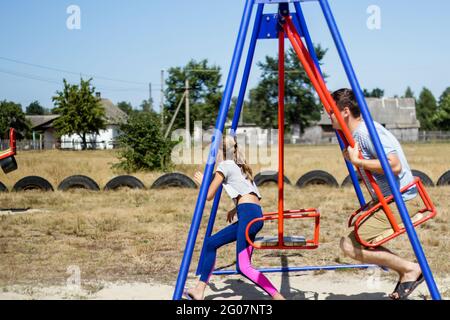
(106, 139)
(44, 135)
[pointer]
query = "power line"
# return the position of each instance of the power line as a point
(70, 72)
(58, 82)
(29, 76)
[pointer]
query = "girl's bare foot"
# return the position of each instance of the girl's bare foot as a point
(278, 296)
(195, 294)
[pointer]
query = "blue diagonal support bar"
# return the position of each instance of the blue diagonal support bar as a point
(415, 243)
(217, 138)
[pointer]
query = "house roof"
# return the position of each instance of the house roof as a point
(113, 115)
(393, 112)
(41, 121)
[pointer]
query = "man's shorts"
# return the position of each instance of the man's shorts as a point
(378, 227)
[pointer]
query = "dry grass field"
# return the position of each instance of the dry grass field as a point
(140, 235)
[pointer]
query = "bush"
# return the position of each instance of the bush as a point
(143, 144)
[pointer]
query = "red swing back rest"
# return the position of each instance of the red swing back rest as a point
(362, 214)
(12, 141)
(11, 151)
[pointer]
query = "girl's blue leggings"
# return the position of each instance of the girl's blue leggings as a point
(236, 232)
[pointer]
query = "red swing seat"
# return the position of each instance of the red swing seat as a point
(361, 215)
(281, 241)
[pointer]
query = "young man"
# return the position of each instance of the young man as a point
(410, 275)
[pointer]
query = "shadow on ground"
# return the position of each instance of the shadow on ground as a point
(239, 289)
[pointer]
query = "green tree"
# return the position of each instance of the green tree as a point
(301, 105)
(444, 95)
(426, 109)
(125, 107)
(204, 97)
(35, 108)
(375, 93)
(247, 114)
(143, 144)
(12, 116)
(409, 93)
(146, 106)
(441, 119)
(80, 111)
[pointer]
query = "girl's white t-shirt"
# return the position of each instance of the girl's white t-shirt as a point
(235, 183)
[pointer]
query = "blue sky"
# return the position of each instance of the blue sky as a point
(132, 41)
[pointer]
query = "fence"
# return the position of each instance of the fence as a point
(28, 145)
(430, 136)
(21, 144)
(24, 145)
(91, 145)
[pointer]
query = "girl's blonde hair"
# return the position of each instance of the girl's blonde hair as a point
(231, 151)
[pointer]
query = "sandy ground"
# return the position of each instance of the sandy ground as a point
(363, 285)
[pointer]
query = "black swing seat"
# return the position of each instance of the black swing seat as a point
(290, 241)
(8, 164)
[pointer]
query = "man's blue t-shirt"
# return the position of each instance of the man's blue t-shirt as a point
(390, 145)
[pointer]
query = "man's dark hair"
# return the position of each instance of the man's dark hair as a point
(345, 98)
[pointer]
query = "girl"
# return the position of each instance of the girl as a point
(236, 177)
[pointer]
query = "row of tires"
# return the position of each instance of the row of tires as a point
(316, 177)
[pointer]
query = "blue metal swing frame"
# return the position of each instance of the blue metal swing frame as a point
(263, 31)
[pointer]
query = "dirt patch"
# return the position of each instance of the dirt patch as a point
(363, 285)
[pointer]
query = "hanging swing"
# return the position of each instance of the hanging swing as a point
(281, 241)
(379, 202)
(426, 213)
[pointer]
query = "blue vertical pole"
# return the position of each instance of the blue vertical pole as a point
(380, 152)
(216, 139)
(248, 66)
(312, 51)
(237, 113)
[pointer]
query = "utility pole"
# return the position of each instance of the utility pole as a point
(150, 99)
(162, 99)
(188, 127)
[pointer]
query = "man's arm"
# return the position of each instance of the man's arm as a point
(374, 165)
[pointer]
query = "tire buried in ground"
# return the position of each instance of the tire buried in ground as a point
(268, 177)
(3, 188)
(444, 180)
(424, 177)
(174, 180)
(124, 182)
(317, 177)
(32, 183)
(348, 180)
(78, 182)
